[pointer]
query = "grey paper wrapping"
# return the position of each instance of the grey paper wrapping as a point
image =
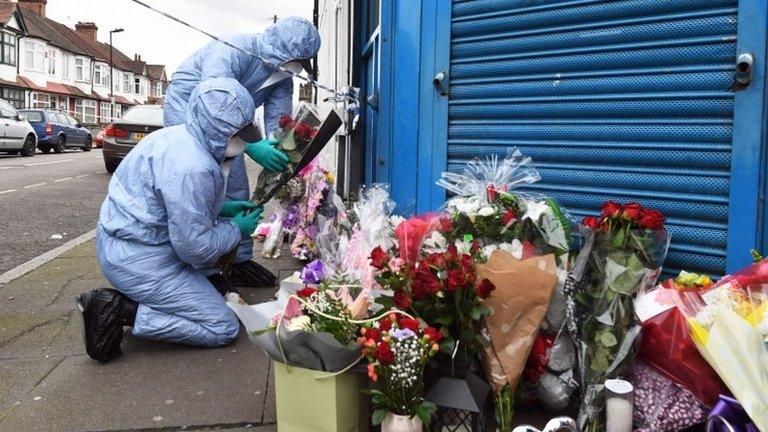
(309, 350)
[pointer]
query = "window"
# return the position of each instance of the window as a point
(7, 110)
(34, 56)
(97, 74)
(82, 70)
(40, 100)
(137, 86)
(52, 58)
(126, 83)
(105, 77)
(106, 112)
(159, 90)
(8, 51)
(85, 109)
(66, 65)
(118, 111)
(14, 96)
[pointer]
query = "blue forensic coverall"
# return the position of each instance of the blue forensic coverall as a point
(159, 223)
(289, 39)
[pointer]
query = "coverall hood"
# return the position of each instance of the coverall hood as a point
(218, 108)
(290, 39)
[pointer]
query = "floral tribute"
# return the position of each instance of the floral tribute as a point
(729, 324)
(397, 349)
(321, 311)
(625, 248)
(441, 288)
(294, 135)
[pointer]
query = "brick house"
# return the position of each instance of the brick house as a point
(46, 64)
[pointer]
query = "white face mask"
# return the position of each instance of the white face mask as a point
(293, 66)
(235, 147)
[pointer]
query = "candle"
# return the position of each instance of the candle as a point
(618, 406)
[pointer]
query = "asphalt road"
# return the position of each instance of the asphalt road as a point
(46, 197)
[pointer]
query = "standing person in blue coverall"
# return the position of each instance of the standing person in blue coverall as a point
(291, 43)
(164, 219)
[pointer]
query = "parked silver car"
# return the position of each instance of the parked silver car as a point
(16, 134)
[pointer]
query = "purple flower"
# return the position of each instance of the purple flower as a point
(312, 273)
(401, 334)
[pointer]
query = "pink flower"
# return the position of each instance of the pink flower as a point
(396, 264)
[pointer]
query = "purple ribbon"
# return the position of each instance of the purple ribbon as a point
(312, 273)
(729, 416)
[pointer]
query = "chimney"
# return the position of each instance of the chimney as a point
(37, 7)
(136, 57)
(87, 30)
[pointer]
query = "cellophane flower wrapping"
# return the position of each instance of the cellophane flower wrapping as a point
(666, 343)
(318, 205)
(291, 333)
(490, 207)
(729, 325)
(294, 135)
(620, 257)
(373, 228)
(660, 405)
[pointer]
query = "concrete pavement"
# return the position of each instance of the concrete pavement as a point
(48, 383)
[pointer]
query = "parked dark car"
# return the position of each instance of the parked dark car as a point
(121, 136)
(57, 130)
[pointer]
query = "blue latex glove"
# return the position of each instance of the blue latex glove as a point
(266, 155)
(232, 208)
(248, 222)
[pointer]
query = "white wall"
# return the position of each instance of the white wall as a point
(333, 60)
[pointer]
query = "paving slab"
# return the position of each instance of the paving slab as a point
(147, 390)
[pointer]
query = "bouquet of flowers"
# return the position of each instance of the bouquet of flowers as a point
(489, 207)
(397, 349)
(441, 288)
(623, 254)
(314, 329)
(294, 135)
(729, 325)
(666, 343)
(303, 204)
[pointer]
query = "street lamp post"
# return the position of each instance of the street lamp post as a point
(111, 77)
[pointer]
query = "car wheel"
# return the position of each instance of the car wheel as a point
(110, 165)
(61, 145)
(88, 144)
(45, 149)
(29, 147)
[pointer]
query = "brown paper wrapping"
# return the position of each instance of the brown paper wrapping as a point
(518, 305)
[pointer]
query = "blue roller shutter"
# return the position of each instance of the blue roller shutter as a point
(614, 100)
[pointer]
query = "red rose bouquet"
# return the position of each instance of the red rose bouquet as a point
(397, 349)
(294, 135)
(623, 254)
(442, 289)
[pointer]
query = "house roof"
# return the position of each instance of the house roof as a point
(139, 67)
(55, 33)
(156, 72)
(6, 12)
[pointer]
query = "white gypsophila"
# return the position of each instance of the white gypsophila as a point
(299, 323)
(436, 243)
(405, 367)
(396, 220)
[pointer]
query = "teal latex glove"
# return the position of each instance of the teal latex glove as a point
(232, 208)
(248, 222)
(266, 155)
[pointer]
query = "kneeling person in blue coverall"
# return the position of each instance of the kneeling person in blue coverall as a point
(164, 219)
